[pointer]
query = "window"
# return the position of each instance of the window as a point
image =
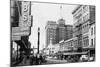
(94, 41)
(84, 42)
(87, 24)
(94, 30)
(84, 9)
(84, 18)
(87, 42)
(91, 42)
(91, 31)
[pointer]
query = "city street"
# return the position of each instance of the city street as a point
(62, 34)
(55, 61)
(26, 62)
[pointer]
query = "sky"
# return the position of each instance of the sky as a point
(43, 12)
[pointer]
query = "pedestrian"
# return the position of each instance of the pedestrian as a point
(38, 61)
(33, 60)
(41, 59)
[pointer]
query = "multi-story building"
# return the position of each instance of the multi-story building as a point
(14, 14)
(68, 45)
(61, 30)
(21, 20)
(51, 28)
(14, 17)
(83, 16)
(92, 29)
(64, 32)
(77, 32)
(92, 36)
(68, 32)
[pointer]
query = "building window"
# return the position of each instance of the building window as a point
(94, 41)
(91, 31)
(94, 30)
(87, 42)
(83, 42)
(91, 42)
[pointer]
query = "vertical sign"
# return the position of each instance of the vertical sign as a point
(25, 19)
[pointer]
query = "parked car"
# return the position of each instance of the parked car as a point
(91, 59)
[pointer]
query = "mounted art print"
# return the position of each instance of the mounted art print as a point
(51, 33)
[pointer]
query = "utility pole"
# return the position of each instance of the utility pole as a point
(38, 38)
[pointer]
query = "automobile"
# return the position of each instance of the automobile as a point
(84, 58)
(91, 59)
(55, 57)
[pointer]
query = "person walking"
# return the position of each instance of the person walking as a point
(33, 60)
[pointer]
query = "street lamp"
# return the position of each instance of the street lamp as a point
(38, 38)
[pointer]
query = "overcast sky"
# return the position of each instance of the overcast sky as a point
(43, 12)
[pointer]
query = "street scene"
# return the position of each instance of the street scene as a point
(51, 33)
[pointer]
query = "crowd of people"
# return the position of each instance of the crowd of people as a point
(37, 59)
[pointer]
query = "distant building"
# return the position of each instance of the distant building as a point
(68, 32)
(58, 32)
(68, 45)
(51, 28)
(61, 29)
(64, 32)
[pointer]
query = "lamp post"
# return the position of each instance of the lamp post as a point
(38, 38)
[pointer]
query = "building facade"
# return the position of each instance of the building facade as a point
(64, 32)
(92, 36)
(69, 45)
(51, 29)
(21, 20)
(83, 16)
(92, 29)
(68, 32)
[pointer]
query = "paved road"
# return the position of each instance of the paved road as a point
(55, 61)
(26, 62)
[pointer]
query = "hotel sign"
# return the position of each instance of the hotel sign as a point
(17, 32)
(20, 29)
(21, 33)
(16, 37)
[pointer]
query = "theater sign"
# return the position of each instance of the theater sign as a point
(25, 19)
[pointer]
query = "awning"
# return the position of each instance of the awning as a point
(75, 53)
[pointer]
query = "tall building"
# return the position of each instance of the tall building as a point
(21, 20)
(68, 32)
(61, 29)
(14, 14)
(64, 32)
(51, 28)
(92, 29)
(83, 16)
